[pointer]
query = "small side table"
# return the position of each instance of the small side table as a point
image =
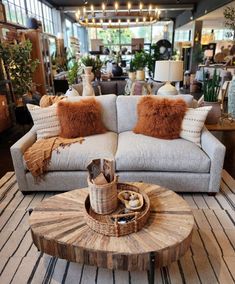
(224, 126)
(225, 132)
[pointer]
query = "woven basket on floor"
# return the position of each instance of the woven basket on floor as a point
(103, 198)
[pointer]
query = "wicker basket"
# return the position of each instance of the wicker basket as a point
(108, 224)
(103, 198)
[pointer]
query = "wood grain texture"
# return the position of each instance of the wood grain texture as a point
(59, 229)
(20, 259)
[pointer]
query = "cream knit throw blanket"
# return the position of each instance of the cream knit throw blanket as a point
(38, 156)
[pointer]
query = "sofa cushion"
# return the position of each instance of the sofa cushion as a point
(137, 152)
(79, 119)
(108, 87)
(46, 121)
(160, 118)
(127, 109)
(108, 106)
(121, 84)
(77, 156)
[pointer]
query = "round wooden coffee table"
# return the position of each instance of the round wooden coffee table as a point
(59, 229)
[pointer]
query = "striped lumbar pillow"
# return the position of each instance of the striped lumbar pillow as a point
(46, 121)
(193, 123)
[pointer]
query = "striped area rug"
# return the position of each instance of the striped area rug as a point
(211, 258)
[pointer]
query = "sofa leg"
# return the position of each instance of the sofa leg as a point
(211, 193)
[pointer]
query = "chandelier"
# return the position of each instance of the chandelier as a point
(117, 16)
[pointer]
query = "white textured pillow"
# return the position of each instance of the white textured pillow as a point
(46, 121)
(193, 123)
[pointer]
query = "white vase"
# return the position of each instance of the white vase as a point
(87, 87)
(88, 71)
(71, 92)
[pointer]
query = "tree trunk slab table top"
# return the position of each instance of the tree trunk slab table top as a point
(59, 229)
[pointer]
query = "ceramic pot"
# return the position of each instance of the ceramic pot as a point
(140, 75)
(88, 71)
(87, 87)
(132, 76)
(214, 114)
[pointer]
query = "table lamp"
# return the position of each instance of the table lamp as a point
(168, 71)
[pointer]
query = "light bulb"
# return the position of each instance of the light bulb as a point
(84, 10)
(128, 21)
(78, 13)
(103, 7)
(141, 7)
(92, 9)
(119, 21)
(101, 21)
(110, 21)
(137, 20)
(150, 8)
(144, 19)
(116, 6)
(86, 20)
(93, 20)
(129, 5)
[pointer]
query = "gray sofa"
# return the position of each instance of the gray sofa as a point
(177, 164)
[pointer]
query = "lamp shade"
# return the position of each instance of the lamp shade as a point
(168, 71)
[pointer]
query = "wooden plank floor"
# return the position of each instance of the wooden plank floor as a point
(211, 258)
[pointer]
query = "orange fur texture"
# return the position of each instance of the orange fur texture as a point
(80, 119)
(160, 118)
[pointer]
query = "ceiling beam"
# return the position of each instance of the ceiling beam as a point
(169, 7)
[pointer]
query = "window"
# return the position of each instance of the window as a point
(17, 12)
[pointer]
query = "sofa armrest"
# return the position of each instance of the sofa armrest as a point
(216, 152)
(17, 152)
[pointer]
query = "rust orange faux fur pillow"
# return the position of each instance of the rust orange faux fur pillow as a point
(160, 118)
(79, 119)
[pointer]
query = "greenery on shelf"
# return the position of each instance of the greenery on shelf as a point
(141, 60)
(88, 60)
(63, 61)
(155, 55)
(73, 73)
(229, 15)
(19, 65)
(211, 86)
(95, 62)
(132, 69)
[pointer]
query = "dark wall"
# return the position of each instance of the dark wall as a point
(202, 8)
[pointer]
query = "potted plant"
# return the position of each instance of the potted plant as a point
(73, 73)
(88, 63)
(97, 67)
(140, 61)
(132, 73)
(20, 67)
(211, 87)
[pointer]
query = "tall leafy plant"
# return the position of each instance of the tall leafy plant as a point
(211, 87)
(19, 65)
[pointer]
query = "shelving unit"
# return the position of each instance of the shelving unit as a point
(43, 76)
(75, 46)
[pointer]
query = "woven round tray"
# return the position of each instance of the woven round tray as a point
(110, 225)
